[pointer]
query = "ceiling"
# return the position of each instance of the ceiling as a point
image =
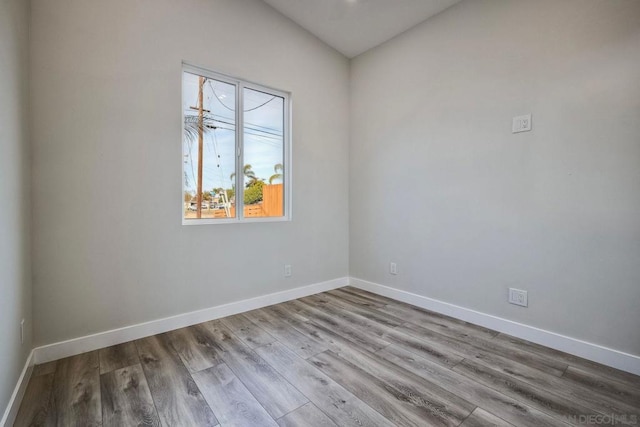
(355, 26)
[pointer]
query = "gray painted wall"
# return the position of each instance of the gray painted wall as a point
(433, 178)
(439, 184)
(15, 215)
(109, 247)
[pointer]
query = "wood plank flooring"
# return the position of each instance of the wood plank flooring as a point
(341, 358)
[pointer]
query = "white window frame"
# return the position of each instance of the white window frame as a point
(240, 85)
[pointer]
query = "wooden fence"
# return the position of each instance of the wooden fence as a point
(272, 200)
(271, 205)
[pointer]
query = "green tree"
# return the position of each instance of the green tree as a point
(230, 192)
(251, 175)
(253, 193)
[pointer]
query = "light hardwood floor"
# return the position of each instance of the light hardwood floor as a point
(341, 358)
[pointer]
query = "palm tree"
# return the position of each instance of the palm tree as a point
(278, 169)
(192, 126)
(248, 172)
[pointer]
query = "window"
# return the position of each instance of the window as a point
(235, 150)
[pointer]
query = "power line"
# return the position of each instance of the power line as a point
(251, 126)
(247, 124)
(193, 173)
(215, 145)
(274, 142)
(231, 109)
(274, 138)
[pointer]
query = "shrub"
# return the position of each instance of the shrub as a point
(253, 193)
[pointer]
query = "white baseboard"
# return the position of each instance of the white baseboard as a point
(79, 345)
(597, 353)
(13, 406)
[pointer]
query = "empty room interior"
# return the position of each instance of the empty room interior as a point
(319, 213)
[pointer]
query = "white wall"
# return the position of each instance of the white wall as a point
(439, 184)
(109, 247)
(15, 280)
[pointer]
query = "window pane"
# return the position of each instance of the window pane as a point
(263, 171)
(209, 148)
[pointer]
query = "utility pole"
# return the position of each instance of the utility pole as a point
(200, 144)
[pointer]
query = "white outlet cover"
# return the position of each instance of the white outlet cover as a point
(518, 297)
(521, 124)
(393, 268)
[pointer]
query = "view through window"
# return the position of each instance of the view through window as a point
(235, 150)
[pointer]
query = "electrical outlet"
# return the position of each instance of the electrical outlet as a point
(393, 268)
(521, 124)
(287, 270)
(518, 297)
(22, 331)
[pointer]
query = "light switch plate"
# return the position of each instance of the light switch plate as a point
(521, 124)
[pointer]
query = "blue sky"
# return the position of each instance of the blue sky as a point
(263, 141)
